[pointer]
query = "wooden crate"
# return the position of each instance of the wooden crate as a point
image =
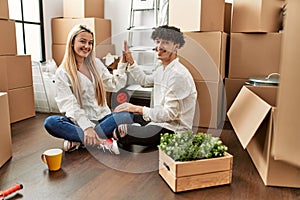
(189, 175)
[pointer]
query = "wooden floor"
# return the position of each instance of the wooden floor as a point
(93, 174)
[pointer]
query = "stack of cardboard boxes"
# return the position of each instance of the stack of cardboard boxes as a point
(255, 43)
(265, 118)
(88, 12)
(16, 88)
(15, 71)
(204, 54)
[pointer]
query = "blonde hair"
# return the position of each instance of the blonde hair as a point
(69, 62)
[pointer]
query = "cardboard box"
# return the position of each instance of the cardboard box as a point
(62, 26)
(227, 17)
(210, 105)
(21, 103)
(4, 12)
(197, 15)
(83, 8)
(8, 38)
(287, 129)
(5, 131)
(232, 88)
(58, 52)
(102, 50)
(254, 55)
(189, 175)
(253, 116)
(256, 15)
(15, 72)
(204, 55)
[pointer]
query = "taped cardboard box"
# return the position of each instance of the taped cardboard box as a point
(5, 131)
(253, 118)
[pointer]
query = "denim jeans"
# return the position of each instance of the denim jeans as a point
(63, 127)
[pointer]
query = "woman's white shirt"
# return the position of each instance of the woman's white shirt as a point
(90, 110)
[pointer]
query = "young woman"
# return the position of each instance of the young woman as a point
(174, 93)
(82, 81)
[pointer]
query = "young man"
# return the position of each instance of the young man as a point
(174, 97)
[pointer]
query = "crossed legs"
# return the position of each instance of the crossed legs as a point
(145, 135)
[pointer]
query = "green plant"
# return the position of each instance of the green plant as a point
(189, 146)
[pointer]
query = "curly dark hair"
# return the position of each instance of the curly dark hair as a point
(170, 33)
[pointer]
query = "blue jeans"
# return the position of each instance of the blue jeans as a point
(63, 127)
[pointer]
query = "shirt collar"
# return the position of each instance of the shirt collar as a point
(171, 64)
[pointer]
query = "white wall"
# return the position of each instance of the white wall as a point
(116, 10)
(51, 9)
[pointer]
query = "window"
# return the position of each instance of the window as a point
(28, 16)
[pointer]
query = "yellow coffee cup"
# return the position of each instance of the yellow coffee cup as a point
(53, 158)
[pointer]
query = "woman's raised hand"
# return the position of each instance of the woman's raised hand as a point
(126, 54)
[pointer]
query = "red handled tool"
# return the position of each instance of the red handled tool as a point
(10, 191)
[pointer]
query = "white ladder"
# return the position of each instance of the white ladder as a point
(142, 7)
(157, 10)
